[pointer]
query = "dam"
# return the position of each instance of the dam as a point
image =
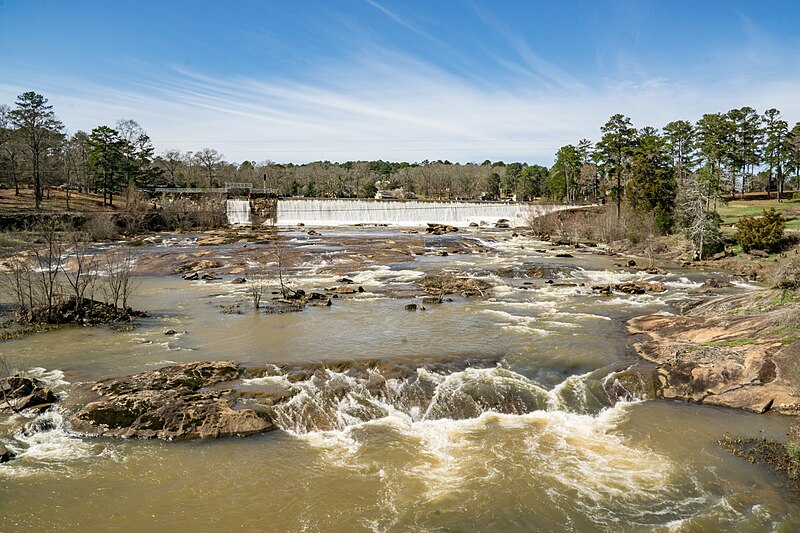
(404, 213)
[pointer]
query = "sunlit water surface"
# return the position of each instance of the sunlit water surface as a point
(572, 464)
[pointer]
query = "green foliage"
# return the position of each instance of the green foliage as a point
(652, 187)
(761, 233)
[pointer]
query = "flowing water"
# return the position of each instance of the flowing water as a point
(408, 213)
(238, 212)
(526, 437)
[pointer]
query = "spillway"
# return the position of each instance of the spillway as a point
(342, 212)
(238, 212)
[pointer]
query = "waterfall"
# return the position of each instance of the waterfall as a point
(238, 212)
(336, 212)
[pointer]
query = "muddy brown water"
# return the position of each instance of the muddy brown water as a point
(575, 464)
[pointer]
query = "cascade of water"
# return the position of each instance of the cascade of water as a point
(340, 212)
(238, 212)
(335, 401)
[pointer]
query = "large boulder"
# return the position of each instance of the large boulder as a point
(175, 403)
(18, 393)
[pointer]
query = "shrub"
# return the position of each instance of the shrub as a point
(786, 275)
(101, 227)
(761, 233)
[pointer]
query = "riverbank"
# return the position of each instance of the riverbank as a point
(737, 351)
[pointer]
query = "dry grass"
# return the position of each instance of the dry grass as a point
(79, 202)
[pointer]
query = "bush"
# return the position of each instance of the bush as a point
(786, 275)
(101, 227)
(761, 233)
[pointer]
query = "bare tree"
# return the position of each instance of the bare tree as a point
(117, 269)
(258, 281)
(82, 274)
(136, 210)
(209, 159)
(171, 161)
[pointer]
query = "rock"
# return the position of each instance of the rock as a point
(473, 225)
(191, 277)
(346, 289)
(346, 281)
(411, 307)
(441, 284)
(170, 332)
(238, 281)
(5, 454)
(313, 233)
(431, 300)
(209, 277)
(631, 263)
(564, 255)
(759, 253)
(718, 256)
(502, 224)
(174, 403)
(714, 283)
(440, 229)
(196, 266)
(718, 354)
(18, 393)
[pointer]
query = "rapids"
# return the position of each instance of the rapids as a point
(507, 413)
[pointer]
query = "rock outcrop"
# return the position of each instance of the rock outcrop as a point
(174, 403)
(731, 351)
(441, 284)
(18, 393)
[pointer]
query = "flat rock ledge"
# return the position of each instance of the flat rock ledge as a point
(170, 403)
(730, 351)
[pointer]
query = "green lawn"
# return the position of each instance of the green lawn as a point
(734, 209)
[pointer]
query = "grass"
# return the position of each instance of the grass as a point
(745, 341)
(80, 202)
(732, 210)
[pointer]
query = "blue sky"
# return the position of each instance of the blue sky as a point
(411, 80)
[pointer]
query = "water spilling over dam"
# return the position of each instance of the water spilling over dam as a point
(238, 212)
(407, 213)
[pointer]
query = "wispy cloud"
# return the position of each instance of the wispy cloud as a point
(382, 103)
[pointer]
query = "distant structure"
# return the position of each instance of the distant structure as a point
(385, 193)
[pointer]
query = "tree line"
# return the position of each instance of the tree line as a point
(721, 154)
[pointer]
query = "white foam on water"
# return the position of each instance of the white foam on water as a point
(268, 380)
(45, 443)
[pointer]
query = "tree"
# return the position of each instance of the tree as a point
(531, 180)
(209, 159)
(171, 161)
(679, 139)
(714, 132)
(614, 152)
(652, 187)
(41, 129)
(744, 144)
(777, 148)
(10, 148)
(106, 158)
(564, 174)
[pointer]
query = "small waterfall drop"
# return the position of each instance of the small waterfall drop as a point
(238, 212)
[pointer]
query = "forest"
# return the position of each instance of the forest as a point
(722, 154)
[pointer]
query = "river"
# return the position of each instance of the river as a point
(576, 462)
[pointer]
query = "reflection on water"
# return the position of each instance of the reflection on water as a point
(524, 442)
